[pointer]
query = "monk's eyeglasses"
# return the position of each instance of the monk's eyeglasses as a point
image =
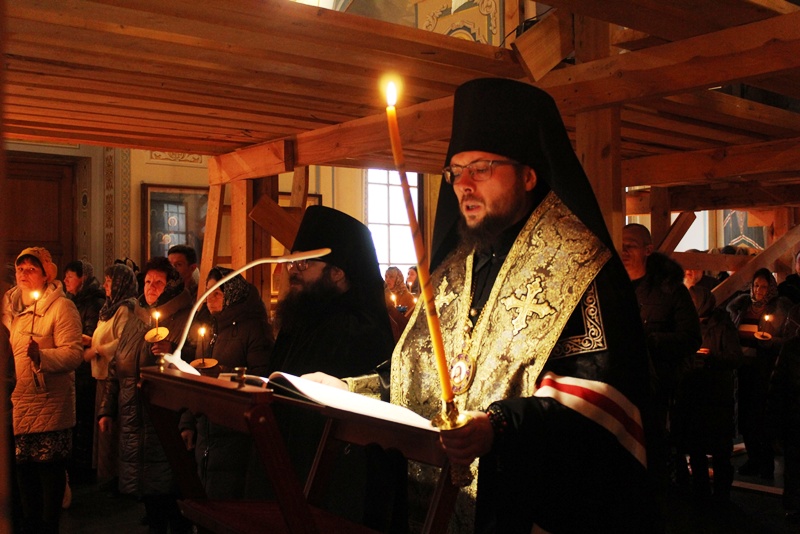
(301, 265)
(480, 169)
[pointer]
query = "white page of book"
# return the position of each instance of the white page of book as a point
(353, 402)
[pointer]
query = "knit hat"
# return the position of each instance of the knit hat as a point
(42, 255)
(352, 250)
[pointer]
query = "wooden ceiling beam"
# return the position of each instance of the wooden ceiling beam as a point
(765, 258)
(678, 19)
(644, 116)
(544, 46)
(348, 70)
(757, 49)
(236, 30)
(309, 26)
(730, 112)
(353, 139)
(734, 196)
(772, 192)
(219, 93)
(706, 166)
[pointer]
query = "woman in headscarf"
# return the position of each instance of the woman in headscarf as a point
(121, 289)
(45, 337)
(143, 468)
(238, 335)
(760, 317)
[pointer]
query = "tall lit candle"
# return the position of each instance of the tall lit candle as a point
(156, 315)
(423, 275)
(35, 296)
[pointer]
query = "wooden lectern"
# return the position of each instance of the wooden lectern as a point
(248, 409)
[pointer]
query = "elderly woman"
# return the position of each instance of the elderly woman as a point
(45, 337)
(143, 468)
(760, 318)
(121, 290)
(240, 336)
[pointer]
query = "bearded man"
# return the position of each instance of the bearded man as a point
(540, 326)
(333, 318)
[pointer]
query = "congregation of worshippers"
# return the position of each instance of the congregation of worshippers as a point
(596, 379)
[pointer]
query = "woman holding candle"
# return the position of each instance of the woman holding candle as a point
(45, 336)
(143, 467)
(239, 335)
(121, 289)
(412, 282)
(760, 317)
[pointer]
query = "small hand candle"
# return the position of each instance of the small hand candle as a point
(202, 332)
(35, 296)
(156, 315)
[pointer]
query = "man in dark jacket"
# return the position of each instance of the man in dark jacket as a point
(672, 327)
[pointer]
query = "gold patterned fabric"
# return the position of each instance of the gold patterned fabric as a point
(543, 279)
(548, 270)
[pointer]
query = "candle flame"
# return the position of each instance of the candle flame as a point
(156, 315)
(767, 317)
(35, 295)
(202, 331)
(391, 94)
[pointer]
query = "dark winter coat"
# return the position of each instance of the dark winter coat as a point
(670, 322)
(240, 336)
(783, 400)
(143, 465)
(89, 300)
(704, 408)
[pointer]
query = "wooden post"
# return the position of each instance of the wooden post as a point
(659, 213)
(216, 197)
(241, 226)
(597, 133)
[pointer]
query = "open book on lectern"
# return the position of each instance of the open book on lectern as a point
(294, 386)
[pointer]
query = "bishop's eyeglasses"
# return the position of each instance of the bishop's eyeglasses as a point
(480, 169)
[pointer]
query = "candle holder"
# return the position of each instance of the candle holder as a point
(154, 335)
(761, 334)
(203, 364)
